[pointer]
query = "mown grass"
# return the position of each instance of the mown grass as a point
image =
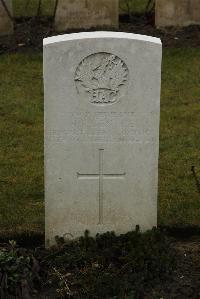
(21, 131)
(179, 200)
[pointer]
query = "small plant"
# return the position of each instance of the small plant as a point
(17, 271)
(110, 266)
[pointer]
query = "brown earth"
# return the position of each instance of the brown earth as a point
(29, 33)
(185, 281)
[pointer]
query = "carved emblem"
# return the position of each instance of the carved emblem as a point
(101, 76)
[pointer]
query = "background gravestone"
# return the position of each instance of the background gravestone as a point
(177, 12)
(84, 14)
(6, 25)
(102, 99)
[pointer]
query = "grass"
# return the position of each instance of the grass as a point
(21, 151)
(179, 200)
(21, 155)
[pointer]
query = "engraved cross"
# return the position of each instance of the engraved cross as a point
(100, 176)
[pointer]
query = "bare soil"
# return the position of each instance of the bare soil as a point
(185, 281)
(29, 33)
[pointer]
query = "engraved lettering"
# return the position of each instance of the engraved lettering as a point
(109, 127)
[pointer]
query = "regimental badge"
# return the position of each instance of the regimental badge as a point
(102, 76)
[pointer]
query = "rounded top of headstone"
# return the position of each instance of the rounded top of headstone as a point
(100, 34)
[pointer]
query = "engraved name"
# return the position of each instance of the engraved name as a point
(109, 127)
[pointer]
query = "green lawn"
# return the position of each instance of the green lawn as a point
(179, 200)
(21, 151)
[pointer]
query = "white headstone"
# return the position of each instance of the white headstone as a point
(102, 102)
(6, 24)
(85, 14)
(177, 12)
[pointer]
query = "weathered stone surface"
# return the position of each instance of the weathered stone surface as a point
(177, 12)
(102, 98)
(6, 25)
(84, 14)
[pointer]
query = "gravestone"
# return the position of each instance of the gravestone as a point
(102, 99)
(177, 12)
(6, 25)
(85, 14)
